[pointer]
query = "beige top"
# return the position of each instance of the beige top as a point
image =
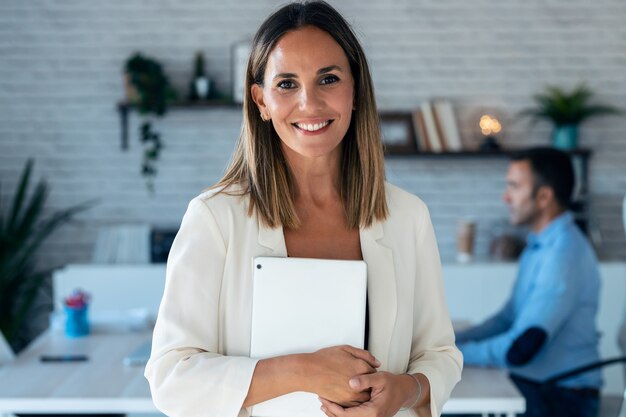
(201, 343)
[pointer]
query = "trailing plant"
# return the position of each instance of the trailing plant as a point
(150, 91)
(23, 228)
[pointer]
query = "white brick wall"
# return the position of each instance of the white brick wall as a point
(60, 77)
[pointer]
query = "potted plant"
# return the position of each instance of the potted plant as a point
(200, 88)
(149, 89)
(23, 228)
(566, 111)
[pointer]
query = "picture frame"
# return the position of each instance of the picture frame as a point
(240, 51)
(397, 133)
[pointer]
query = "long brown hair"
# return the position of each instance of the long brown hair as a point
(258, 166)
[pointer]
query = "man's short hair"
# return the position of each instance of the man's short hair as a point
(551, 168)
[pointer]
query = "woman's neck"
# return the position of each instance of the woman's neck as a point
(316, 179)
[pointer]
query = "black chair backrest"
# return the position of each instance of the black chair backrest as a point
(584, 368)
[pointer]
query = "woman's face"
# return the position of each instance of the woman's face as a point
(308, 92)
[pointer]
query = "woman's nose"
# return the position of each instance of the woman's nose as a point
(310, 99)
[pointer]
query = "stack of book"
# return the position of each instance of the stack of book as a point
(436, 128)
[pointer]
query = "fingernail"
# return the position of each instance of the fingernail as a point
(323, 408)
(377, 362)
(354, 383)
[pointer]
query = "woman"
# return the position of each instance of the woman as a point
(306, 180)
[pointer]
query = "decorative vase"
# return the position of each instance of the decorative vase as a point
(565, 137)
(77, 323)
(202, 85)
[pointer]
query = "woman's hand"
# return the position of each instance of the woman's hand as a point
(332, 368)
(389, 393)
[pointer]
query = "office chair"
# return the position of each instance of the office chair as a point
(580, 370)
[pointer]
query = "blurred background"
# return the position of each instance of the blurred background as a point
(62, 66)
(67, 102)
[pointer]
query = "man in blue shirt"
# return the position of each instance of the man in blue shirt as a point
(548, 324)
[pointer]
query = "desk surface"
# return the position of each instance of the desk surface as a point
(100, 385)
(104, 385)
(485, 390)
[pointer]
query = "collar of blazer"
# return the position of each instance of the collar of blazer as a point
(381, 283)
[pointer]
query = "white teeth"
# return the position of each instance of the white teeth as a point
(312, 127)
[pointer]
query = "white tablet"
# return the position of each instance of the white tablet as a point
(302, 305)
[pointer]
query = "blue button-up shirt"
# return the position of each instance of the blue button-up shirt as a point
(557, 290)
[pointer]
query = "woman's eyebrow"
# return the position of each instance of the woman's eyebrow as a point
(320, 71)
(329, 69)
(285, 75)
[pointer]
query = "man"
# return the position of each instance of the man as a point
(548, 324)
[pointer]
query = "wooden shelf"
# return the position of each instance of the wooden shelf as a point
(212, 104)
(124, 108)
(504, 153)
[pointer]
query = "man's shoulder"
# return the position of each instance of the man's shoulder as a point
(571, 238)
(571, 247)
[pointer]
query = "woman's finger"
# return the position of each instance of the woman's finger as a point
(333, 408)
(363, 382)
(364, 355)
(325, 407)
(325, 411)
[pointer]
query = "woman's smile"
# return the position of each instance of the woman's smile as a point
(313, 127)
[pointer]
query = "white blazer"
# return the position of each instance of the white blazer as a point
(200, 363)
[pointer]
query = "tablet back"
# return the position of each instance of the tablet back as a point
(302, 305)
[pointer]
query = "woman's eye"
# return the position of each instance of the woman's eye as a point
(286, 84)
(330, 79)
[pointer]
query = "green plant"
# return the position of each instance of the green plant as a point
(23, 228)
(567, 108)
(199, 65)
(195, 93)
(152, 92)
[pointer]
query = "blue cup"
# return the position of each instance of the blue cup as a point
(76, 321)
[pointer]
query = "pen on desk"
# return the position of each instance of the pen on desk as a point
(63, 358)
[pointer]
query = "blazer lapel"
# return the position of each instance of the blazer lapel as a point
(381, 290)
(272, 239)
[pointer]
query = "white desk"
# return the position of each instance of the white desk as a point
(100, 385)
(483, 391)
(104, 385)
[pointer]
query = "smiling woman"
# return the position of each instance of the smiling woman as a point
(334, 86)
(308, 97)
(306, 180)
